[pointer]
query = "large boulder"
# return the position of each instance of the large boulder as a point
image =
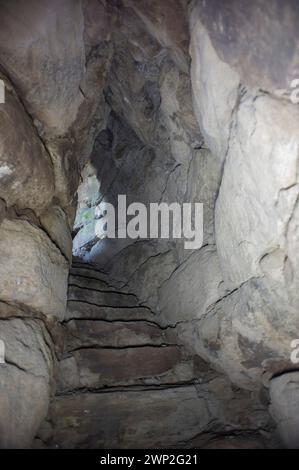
(26, 170)
(33, 272)
(254, 135)
(167, 23)
(45, 48)
(215, 89)
(284, 391)
(24, 380)
(258, 193)
(258, 39)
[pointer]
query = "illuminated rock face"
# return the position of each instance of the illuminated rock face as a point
(256, 215)
(174, 102)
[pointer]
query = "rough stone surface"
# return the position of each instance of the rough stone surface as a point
(264, 187)
(149, 151)
(102, 94)
(26, 171)
(41, 279)
(167, 23)
(194, 292)
(259, 39)
(113, 352)
(88, 333)
(234, 301)
(97, 368)
(53, 67)
(91, 415)
(253, 134)
(215, 88)
(55, 222)
(47, 49)
(24, 381)
(284, 407)
(125, 374)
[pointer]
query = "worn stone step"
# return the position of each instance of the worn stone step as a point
(89, 273)
(127, 419)
(81, 309)
(77, 262)
(89, 282)
(108, 367)
(92, 333)
(100, 297)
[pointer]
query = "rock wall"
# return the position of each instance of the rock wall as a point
(254, 134)
(53, 66)
(225, 134)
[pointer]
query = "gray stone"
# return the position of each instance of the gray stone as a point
(284, 407)
(26, 171)
(55, 222)
(87, 421)
(215, 88)
(193, 287)
(259, 39)
(117, 334)
(44, 50)
(94, 368)
(40, 281)
(24, 381)
(166, 22)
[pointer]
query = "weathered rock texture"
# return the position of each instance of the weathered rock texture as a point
(125, 381)
(234, 301)
(24, 380)
(48, 58)
(174, 101)
(284, 407)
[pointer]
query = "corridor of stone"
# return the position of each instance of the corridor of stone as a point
(123, 333)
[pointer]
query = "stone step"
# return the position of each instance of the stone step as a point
(84, 310)
(161, 418)
(100, 297)
(113, 343)
(117, 334)
(88, 273)
(89, 282)
(77, 263)
(96, 368)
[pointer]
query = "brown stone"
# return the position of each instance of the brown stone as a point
(146, 419)
(45, 48)
(167, 22)
(259, 39)
(86, 333)
(26, 171)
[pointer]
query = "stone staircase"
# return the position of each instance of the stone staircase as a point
(113, 342)
(123, 380)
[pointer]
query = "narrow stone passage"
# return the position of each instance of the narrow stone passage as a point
(124, 381)
(149, 224)
(119, 372)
